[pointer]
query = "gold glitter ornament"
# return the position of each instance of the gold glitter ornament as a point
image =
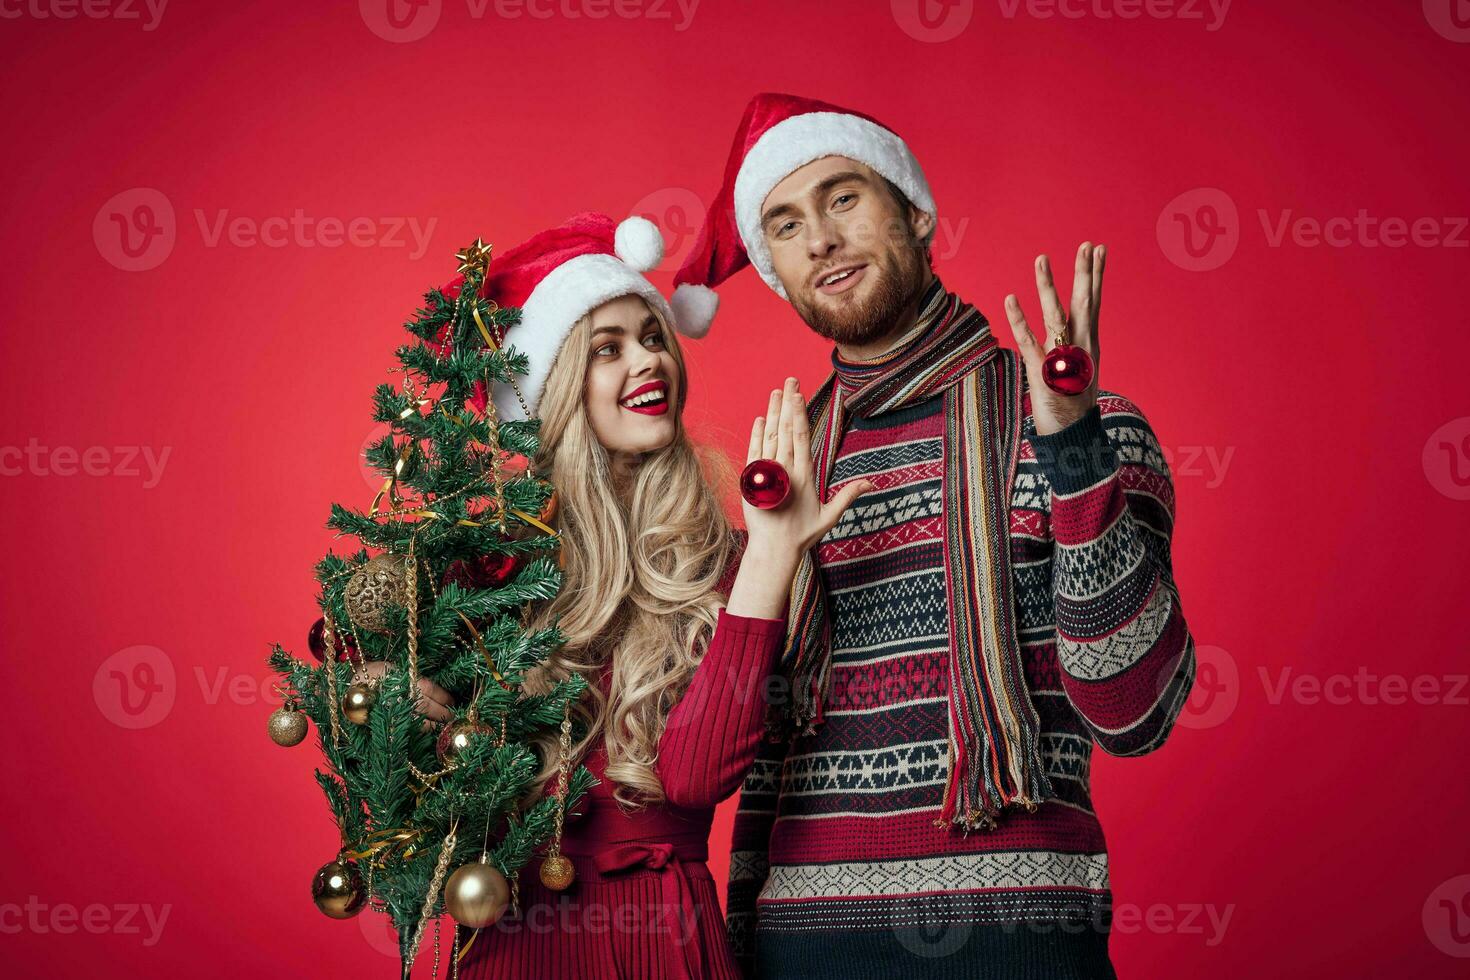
(557, 872)
(287, 726)
(381, 582)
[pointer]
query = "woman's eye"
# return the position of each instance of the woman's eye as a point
(606, 350)
(653, 341)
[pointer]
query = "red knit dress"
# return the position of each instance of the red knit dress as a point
(644, 905)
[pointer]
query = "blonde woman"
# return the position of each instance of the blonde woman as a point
(675, 632)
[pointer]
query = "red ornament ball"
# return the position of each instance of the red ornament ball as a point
(316, 640)
(482, 571)
(1067, 369)
(764, 483)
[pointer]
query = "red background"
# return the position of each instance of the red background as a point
(1326, 536)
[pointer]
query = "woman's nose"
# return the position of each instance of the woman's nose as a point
(641, 360)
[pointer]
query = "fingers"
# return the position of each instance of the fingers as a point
(435, 693)
(843, 499)
(787, 424)
(773, 426)
(434, 702)
(801, 439)
(1030, 350)
(757, 439)
(1082, 290)
(1099, 260)
(1051, 307)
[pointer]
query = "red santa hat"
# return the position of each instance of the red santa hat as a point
(559, 276)
(778, 135)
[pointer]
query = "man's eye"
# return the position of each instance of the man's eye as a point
(785, 229)
(844, 200)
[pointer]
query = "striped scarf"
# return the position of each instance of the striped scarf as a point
(994, 759)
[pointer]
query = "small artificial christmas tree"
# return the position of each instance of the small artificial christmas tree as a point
(461, 524)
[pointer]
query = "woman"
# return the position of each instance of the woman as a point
(673, 632)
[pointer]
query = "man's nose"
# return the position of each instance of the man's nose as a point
(823, 238)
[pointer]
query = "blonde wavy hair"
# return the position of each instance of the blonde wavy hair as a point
(642, 564)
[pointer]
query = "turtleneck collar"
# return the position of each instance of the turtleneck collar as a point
(854, 374)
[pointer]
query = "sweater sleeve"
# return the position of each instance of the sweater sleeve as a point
(1126, 653)
(750, 863)
(712, 734)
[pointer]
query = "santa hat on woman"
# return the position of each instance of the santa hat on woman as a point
(778, 135)
(559, 276)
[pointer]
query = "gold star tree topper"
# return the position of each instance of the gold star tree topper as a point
(474, 257)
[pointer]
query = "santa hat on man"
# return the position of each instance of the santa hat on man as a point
(559, 276)
(778, 135)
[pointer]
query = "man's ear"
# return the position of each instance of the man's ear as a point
(922, 223)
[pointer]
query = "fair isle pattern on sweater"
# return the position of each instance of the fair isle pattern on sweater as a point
(836, 832)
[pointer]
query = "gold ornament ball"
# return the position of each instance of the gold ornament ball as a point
(476, 895)
(337, 890)
(380, 582)
(358, 701)
(456, 737)
(557, 873)
(287, 726)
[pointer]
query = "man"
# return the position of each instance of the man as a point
(1001, 601)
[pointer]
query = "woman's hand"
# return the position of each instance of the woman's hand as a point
(779, 537)
(434, 703)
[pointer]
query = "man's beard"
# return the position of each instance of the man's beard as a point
(897, 278)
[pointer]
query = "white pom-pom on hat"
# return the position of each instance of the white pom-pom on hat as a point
(694, 309)
(639, 243)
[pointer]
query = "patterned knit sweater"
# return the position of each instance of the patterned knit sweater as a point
(837, 862)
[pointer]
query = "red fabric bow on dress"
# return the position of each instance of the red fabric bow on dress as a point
(678, 895)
